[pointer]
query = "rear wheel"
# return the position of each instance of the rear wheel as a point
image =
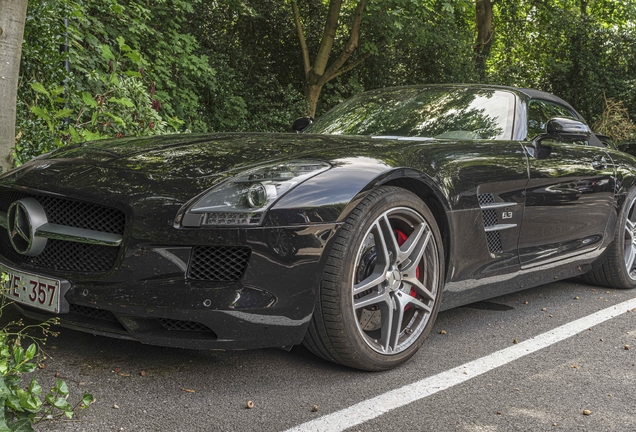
(619, 267)
(382, 284)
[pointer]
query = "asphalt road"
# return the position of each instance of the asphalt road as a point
(184, 390)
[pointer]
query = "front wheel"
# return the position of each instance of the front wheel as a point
(382, 285)
(619, 267)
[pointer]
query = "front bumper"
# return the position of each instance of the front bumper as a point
(150, 297)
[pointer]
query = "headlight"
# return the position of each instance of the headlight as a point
(243, 199)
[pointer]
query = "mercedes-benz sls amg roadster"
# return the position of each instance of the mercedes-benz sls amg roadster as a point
(348, 237)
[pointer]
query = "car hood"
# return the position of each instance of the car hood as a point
(176, 166)
(197, 156)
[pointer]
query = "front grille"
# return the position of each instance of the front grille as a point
(99, 314)
(63, 255)
(218, 263)
(187, 326)
(67, 212)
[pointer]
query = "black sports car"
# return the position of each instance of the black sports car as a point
(348, 237)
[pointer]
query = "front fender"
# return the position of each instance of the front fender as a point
(332, 195)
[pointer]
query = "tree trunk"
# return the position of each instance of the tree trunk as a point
(485, 31)
(321, 72)
(12, 18)
(312, 93)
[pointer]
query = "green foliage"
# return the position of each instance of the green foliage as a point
(169, 56)
(22, 404)
(42, 62)
(580, 57)
(106, 94)
(139, 67)
(111, 88)
(120, 106)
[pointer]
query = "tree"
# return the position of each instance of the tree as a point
(485, 33)
(320, 72)
(12, 17)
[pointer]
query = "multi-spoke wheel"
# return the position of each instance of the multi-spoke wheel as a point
(618, 269)
(382, 284)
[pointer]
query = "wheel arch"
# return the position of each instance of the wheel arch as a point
(628, 182)
(420, 185)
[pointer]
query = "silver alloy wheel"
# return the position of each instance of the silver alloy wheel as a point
(630, 241)
(394, 285)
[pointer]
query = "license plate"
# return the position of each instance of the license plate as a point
(36, 291)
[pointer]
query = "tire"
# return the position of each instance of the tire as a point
(382, 284)
(619, 265)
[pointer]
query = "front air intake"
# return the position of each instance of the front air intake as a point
(218, 263)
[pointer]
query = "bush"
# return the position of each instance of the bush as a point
(26, 404)
(615, 122)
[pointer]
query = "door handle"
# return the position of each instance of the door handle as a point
(599, 163)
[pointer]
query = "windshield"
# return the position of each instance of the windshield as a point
(434, 112)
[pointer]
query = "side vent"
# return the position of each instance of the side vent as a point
(490, 217)
(494, 242)
(485, 199)
(491, 221)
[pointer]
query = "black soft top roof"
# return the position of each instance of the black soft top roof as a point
(537, 94)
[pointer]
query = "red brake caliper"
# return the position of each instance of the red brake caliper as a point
(401, 238)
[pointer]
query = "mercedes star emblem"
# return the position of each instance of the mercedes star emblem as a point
(24, 217)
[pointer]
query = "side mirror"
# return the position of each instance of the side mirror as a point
(568, 128)
(301, 124)
(559, 129)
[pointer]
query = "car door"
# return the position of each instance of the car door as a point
(569, 194)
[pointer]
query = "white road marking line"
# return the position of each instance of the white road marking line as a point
(375, 407)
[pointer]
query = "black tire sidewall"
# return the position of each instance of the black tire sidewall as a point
(618, 254)
(385, 199)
